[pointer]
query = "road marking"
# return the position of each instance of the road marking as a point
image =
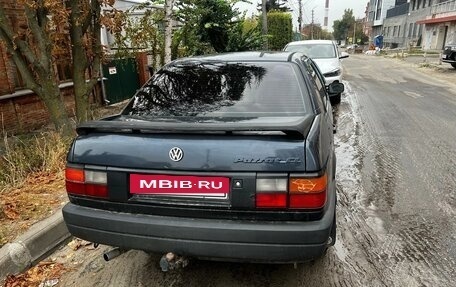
(413, 95)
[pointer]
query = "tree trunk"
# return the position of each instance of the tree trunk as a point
(81, 93)
(49, 93)
(86, 58)
(168, 29)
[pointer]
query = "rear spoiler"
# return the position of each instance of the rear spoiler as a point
(289, 125)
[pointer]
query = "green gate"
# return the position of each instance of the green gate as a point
(121, 79)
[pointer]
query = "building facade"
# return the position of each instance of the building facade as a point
(426, 24)
(376, 15)
(395, 26)
(440, 25)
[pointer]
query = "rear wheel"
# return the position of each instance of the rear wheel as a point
(335, 100)
(453, 65)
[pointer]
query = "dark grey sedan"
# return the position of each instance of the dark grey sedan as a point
(225, 157)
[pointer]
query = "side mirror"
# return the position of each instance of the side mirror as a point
(343, 55)
(336, 88)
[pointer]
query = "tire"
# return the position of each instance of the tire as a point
(453, 65)
(335, 100)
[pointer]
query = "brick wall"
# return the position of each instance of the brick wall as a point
(27, 112)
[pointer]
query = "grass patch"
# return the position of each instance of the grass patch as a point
(32, 184)
(23, 155)
(31, 180)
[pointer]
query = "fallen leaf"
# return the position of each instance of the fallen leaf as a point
(74, 244)
(9, 209)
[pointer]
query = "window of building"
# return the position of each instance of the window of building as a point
(420, 31)
(379, 10)
(414, 30)
(394, 31)
(399, 30)
(410, 30)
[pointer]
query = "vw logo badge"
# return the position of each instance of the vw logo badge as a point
(176, 154)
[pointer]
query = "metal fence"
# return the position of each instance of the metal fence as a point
(398, 10)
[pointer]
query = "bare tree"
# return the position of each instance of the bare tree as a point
(47, 30)
(32, 50)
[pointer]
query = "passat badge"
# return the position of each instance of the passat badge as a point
(176, 154)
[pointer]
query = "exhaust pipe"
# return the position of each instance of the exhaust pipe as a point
(113, 253)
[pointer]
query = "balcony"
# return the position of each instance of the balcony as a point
(448, 7)
(440, 13)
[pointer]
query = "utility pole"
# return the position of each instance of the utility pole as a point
(168, 29)
(300, 16)
(264, 26)
(325, 21)
(354, 34)
(312, 25)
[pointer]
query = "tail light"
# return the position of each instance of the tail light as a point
(292, 193)
(308, 192)
(271, 193)
(86, 182)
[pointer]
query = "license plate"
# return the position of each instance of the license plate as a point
(177, 185)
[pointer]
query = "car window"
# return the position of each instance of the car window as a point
(318, 81)
(314, 51)
(220, 89)
(318, 73)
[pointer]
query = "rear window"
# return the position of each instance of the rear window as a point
(314, 51)
(215, 89)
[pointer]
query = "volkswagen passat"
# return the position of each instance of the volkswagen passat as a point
(226, 157)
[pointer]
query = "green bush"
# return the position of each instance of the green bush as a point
(280, 30)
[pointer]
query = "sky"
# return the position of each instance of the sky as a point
(336, 9)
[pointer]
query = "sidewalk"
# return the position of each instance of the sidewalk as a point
(32, 246)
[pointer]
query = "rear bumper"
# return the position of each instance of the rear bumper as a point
(447, 58)
(448, 61)
(250, 241)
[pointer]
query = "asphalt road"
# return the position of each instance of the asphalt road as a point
(396, 154)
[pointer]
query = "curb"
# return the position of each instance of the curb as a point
(32, 246)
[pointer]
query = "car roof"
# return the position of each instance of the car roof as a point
(243, 56)
(310, 42)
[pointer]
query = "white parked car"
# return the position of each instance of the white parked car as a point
(327, 57)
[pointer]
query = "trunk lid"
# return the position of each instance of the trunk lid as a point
(275, 145)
